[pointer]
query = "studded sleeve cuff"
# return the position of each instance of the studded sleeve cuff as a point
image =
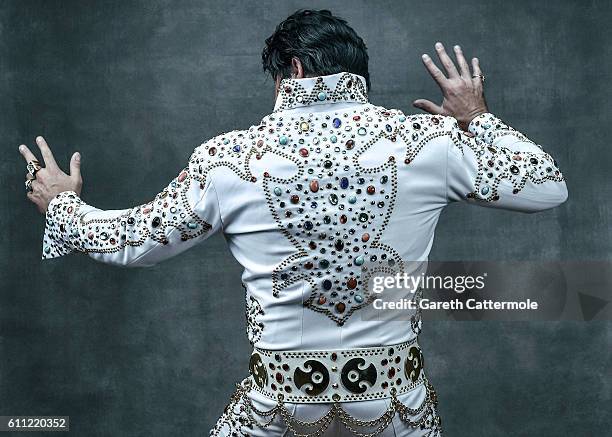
(61, 236)
(500, 167)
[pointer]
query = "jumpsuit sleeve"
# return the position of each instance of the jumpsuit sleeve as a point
(184, 213)
(497, 166)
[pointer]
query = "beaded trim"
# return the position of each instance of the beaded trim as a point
(238, 418)
(344, 375)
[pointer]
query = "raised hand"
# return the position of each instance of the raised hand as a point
(462, 91)
(43, 183)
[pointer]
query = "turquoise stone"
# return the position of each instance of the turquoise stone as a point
(192, 225)
(226, 141)
(352, 199)
(333, 139)
(358, 298)
(283, 140)
(359, 261)
(402, 119)
(278, 191)
(322, 96)
(47, 249)
(362, 131)
(485, 190)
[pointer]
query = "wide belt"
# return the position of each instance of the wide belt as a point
(343, 375)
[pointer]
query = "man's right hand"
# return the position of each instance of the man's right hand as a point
(462, 91)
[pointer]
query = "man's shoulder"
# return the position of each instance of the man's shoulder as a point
(426, 122)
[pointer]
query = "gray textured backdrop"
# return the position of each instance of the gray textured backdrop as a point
(136, 85)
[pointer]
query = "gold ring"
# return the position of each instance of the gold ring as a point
(33, 167)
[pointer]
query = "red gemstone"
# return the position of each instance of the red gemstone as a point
(343, 219)
(288, 89)
(212, 151)
(304, 152)
(351, 283)
(350, 144)
(309, 265)
(295, 198)
(322, 300)
(365, 237)
(314, 186)
(356, 118)
(371, 189)
(182, 176)
(90, 235)
(340, 307)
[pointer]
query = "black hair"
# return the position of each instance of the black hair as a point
(325, 44)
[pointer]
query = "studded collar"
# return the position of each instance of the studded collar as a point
(340, 87)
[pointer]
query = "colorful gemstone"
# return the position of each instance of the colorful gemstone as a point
(303, 152)
(283, 140)
(314, 185)
(365, 237)
(362, 131)
(371, 189)
(336, 123)
(295, 198)
(278, 191)
(352, 199)
(333, 139)
(304, 126)
(358, 298)
(351, 283)
(340, 307)
(350, 144)
(344, 183)
(322, 96)
(359, 260)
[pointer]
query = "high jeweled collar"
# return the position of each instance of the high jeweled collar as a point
(340, 87)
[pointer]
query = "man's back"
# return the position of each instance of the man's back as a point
(329, 189)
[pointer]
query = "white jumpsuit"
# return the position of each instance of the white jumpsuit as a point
(323, 185)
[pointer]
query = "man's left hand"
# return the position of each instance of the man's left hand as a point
(44, 182)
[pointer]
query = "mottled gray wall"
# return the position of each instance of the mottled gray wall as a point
(136, 85)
